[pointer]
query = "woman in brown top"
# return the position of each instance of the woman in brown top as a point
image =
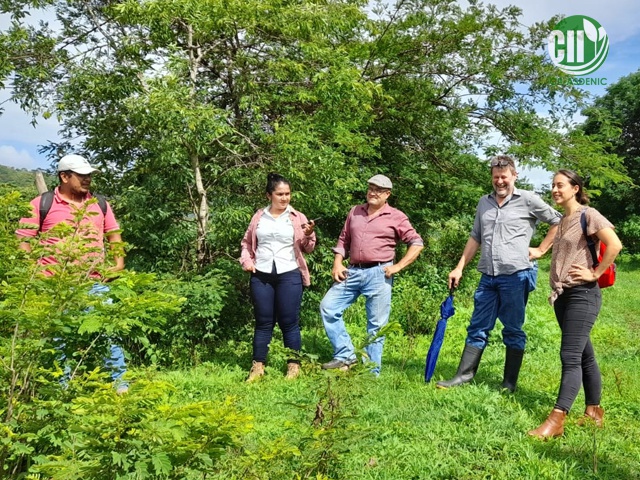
(576, 299)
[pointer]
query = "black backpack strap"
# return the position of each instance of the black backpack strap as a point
(590, 243)
(102, 201)
(46, 200)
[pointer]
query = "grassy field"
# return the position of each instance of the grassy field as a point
(351, 425)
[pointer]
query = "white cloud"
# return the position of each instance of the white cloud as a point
(15, 126)
(11, 157)
(19, 140)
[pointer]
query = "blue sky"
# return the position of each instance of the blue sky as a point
(19, 140)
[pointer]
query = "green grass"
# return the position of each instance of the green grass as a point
(398, 427)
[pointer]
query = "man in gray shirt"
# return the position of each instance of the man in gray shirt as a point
(504, 224)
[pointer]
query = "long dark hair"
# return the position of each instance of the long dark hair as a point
(575, 179)
(275, 179)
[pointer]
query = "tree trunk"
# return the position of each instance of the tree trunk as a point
(41, 185)
(201, 208)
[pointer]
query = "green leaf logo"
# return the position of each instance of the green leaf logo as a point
(578, 45)
(590, 30)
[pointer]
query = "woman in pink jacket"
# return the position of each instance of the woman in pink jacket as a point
(272, 250)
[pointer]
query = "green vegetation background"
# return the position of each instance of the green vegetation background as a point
(189, 413)
(185, 106)
(398, 427)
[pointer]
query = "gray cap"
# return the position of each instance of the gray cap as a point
(380, 181)
(76, 163)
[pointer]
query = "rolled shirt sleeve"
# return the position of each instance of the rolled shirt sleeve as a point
(344, 240)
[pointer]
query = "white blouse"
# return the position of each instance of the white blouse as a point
(275, 243)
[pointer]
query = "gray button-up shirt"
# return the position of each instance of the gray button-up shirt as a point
(504, 232)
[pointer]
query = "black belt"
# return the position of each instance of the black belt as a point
(367, 265)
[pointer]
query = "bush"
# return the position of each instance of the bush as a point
(191, 333)
(414, 307)
(446, 241)
(143, 434)
(629, 232)
(51, 322)
(237, 312)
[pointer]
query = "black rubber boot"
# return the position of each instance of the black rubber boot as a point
(467, 369)
(512, 364)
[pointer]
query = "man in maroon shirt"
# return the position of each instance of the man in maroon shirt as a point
(368, 239)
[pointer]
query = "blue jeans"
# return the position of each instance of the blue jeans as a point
(503, 297)
(376, 289)
(115, 363)
(276, 299)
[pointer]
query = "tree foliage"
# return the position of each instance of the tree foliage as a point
(59, 415)
(614, 120)
(187, 104)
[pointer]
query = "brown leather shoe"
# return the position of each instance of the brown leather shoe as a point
(257, 371)
(553, 426)
(592, 414)
(293, 370)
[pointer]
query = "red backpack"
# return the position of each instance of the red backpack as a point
(608, 278)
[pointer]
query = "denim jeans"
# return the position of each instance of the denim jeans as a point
(503, 297)
(576, 311)
(376, 288)
(276, 299)
(533, 279)
(115, 363)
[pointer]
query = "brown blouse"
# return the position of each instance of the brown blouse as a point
(570, 248)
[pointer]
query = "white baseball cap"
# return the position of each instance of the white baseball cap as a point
(77, 164)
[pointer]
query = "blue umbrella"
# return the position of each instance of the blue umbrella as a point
(446, 311)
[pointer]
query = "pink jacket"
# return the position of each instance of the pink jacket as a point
(301, 243)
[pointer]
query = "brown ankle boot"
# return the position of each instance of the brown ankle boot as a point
(553, 426)
(257, 371)
(592, 414)
(293, 370)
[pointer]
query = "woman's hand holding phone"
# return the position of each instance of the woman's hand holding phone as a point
(309, 226)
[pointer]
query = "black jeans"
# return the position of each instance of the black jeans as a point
(276, 299)
(576, 311)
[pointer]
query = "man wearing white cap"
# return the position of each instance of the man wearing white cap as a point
(368, 240)
(74, 174)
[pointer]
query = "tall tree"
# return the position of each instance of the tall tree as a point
(188, 103)
(456, 79)
(191, 93)
(614, 120)
(29, 53)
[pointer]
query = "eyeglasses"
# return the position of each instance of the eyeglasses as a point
(376, 190)
(501, 163)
